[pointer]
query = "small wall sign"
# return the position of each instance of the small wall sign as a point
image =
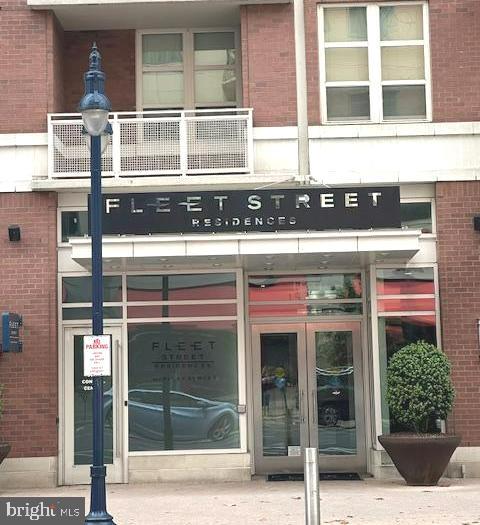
(11, 324)
(97, 355)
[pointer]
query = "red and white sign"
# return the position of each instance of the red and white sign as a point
(96, 355)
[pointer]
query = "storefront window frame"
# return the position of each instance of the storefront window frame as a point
(376, 403)
(122, 322)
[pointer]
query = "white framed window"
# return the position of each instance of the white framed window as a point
(187, 69)
(374, 62)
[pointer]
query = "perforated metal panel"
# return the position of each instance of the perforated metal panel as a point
(150, 146)
(71, 155)
(156, 143)
(217, 144)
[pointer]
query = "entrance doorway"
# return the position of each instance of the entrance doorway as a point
(308, 392)
(78, 446)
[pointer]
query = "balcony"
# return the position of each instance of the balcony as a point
(156, 143)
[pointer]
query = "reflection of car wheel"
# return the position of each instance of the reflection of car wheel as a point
(222, 428)
(329, 415)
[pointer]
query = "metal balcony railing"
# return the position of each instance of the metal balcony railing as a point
(156, 143)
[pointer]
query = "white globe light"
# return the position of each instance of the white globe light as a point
(95, 121)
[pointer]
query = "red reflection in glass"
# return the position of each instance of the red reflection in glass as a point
(408, 305)
(181, 310)
(181, 287)
(303, 287)
(278, 310)
(404, 285)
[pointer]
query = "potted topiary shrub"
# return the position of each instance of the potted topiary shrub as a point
(4, 447)
(419, 393)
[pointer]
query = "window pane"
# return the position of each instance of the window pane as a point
(346, 63)
(162, 49)
(74, 224)
(404, 102)
(183, 386)
(334, 371)
(182, 310)
(393, 334)
(79, 289)
(165, 88)
(215, 86)
(403, 63)
(280, 393)
(406, 305)
(401, 22)
(417, 215)
(181, 287)
(214, 49)
(305, 287)
(109, 312)
(348, 103)
(345, 24)
(302, 310)
(396, 281)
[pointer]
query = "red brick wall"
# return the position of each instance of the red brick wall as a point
(118, 55)
(25, 70)
(459, 270)
(268, 64)
(28, 286)
(55, 64)
(455, 56)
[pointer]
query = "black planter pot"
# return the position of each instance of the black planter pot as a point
(420, 458)
(4, 450)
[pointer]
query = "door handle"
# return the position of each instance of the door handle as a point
(314, 406)
(118, 376)
(302, 406)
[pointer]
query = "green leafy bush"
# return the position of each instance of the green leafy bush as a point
(419, 388)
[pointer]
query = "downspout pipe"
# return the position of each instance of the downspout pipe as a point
(301, 85)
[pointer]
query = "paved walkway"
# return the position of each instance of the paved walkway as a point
(454, 502)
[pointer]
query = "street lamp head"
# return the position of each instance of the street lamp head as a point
(94, 105)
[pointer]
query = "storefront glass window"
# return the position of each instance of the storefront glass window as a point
(304, 287)
(301, 310)
(183, 386)
(403, 320)
(186, 287)
(74, 224)
(417, 216)
(79, 289)
(305, 295)
(395, 281)
(182, 310)
(109, 312)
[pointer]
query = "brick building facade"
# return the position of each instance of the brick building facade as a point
(211, 98)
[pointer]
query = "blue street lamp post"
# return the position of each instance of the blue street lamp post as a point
(94, 107)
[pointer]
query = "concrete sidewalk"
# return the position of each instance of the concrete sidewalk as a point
(454, 502)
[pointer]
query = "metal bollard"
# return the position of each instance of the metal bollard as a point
(312, 496)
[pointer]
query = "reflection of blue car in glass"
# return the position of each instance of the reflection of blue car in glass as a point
(335, 396)
(192, 417)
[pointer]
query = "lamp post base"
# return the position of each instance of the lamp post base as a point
(99, 518)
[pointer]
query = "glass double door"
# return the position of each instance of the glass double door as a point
(77, 411)
(308, 392)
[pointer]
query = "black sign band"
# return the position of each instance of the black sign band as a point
(251, 210)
